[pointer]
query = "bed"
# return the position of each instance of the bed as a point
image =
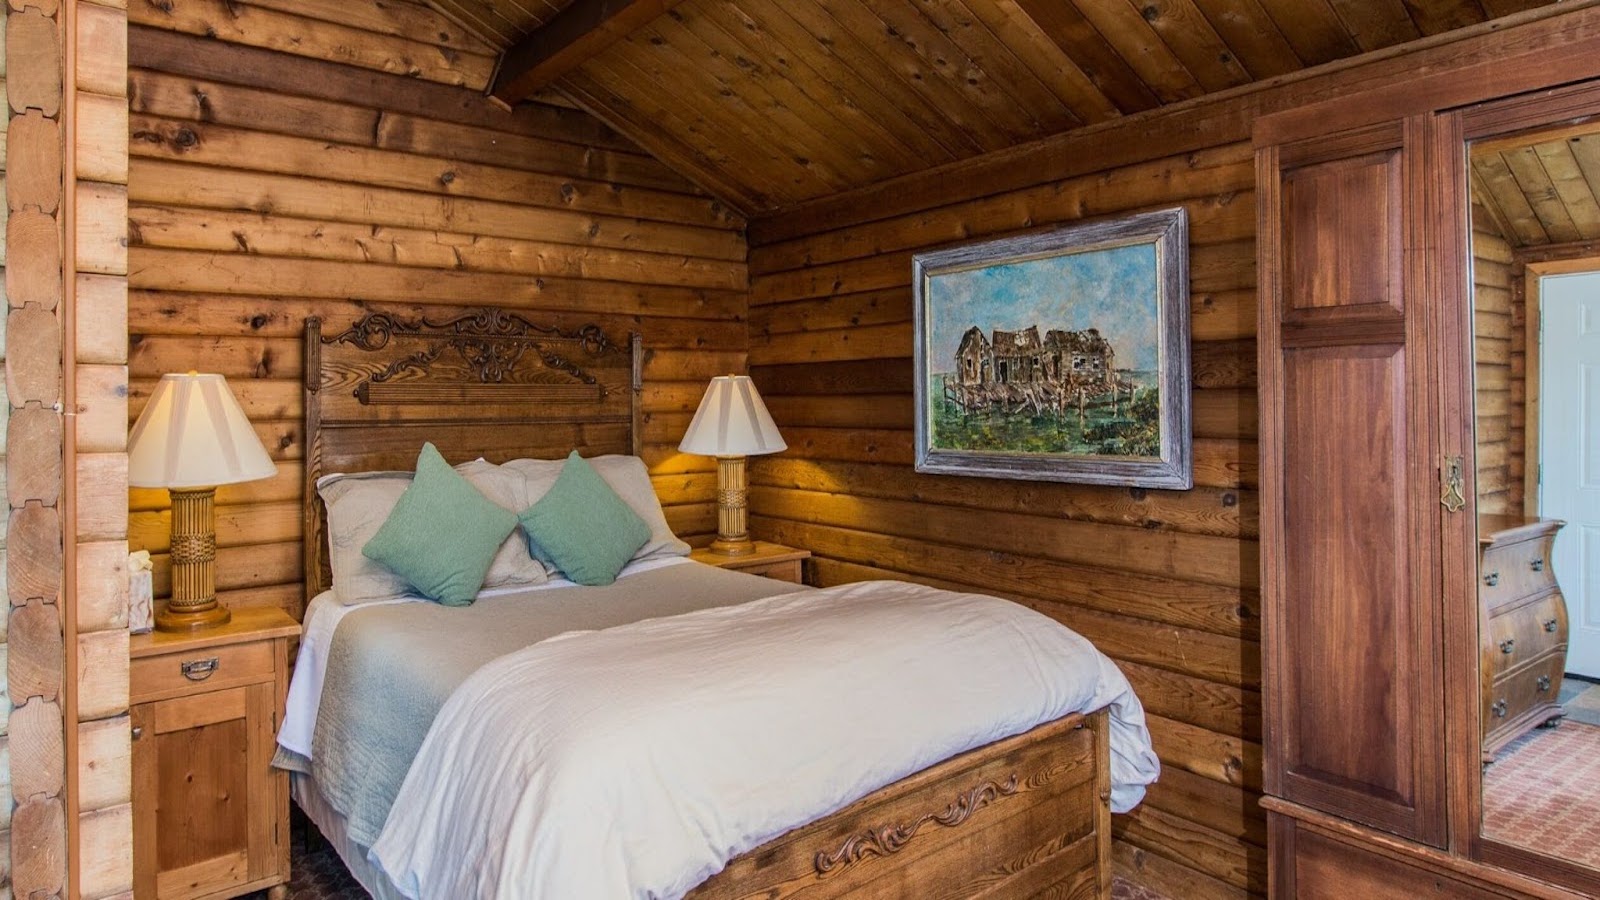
(1024, 815)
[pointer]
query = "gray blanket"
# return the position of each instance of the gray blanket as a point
(391, 667)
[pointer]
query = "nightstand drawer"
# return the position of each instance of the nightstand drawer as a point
(789, 571)
(199, 670)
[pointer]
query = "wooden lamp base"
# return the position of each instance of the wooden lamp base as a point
(733, 518)
(197, 620)
(194, 603)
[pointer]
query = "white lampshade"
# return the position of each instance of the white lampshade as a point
(732, 421)
(193, 434)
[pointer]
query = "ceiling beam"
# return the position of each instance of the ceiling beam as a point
(574, 36)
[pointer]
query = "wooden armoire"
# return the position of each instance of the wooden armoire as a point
(1368, 545)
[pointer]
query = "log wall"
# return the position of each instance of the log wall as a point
(267, 187)
(7, 797)
(401, 38)
(68, 822)
(35, 651)
(1164, 582)
(1499, 332)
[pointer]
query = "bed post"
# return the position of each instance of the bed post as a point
(311, 507)
(636, 386)
(1101, 723)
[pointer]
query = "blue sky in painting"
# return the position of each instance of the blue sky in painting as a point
(1113, 290)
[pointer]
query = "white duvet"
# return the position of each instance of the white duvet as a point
(634, 762)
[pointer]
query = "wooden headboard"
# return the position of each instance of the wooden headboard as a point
(483, 382)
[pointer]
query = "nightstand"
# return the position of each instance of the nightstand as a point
(210, 814)
(772, 560)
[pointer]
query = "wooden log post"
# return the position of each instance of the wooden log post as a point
(95, 350)
(63, 722)
(36, 835)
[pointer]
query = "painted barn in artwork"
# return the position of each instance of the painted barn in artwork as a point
(1071, 359)
(1018, 370)
(975, 358)
(1080, 356)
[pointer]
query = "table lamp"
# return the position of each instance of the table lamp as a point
(731, 424)
(192, 437)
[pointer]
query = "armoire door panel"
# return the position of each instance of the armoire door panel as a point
(1346, 567)
(1343, 240)
(1350, 626)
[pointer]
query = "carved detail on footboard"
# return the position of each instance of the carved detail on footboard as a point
(885, 840)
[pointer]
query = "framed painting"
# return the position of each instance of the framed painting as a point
(1058, 356)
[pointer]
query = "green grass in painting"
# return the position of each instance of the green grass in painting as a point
(1135, 432)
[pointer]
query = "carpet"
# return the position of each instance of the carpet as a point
(318, 874)
(1543, 790)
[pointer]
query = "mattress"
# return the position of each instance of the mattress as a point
(303, 788)
(370, 679)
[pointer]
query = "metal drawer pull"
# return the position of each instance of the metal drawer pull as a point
(1538, 564)
(1499, 709)
(1543, 683)
(199, 669)
(1508, 645)
(1550, 624)
(1492, 579)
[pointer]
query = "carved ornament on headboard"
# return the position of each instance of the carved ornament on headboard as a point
(476, 381)
(490, 341)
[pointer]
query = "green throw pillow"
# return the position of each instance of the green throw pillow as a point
(442, 534)
(582, 526)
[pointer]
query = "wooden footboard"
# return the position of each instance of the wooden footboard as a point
(1025, 817)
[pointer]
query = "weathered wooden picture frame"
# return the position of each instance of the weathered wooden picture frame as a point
(1102, 398)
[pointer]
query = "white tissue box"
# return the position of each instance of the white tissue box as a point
(140, 615)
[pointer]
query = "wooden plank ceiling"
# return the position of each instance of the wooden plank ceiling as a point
(1544, 189)
(768, 103)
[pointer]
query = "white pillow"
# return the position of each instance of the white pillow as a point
(359, 504)
(627, 476)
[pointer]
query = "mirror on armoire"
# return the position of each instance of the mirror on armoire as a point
(1536, 314)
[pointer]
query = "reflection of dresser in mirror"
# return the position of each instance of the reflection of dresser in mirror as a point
(1523, 627)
